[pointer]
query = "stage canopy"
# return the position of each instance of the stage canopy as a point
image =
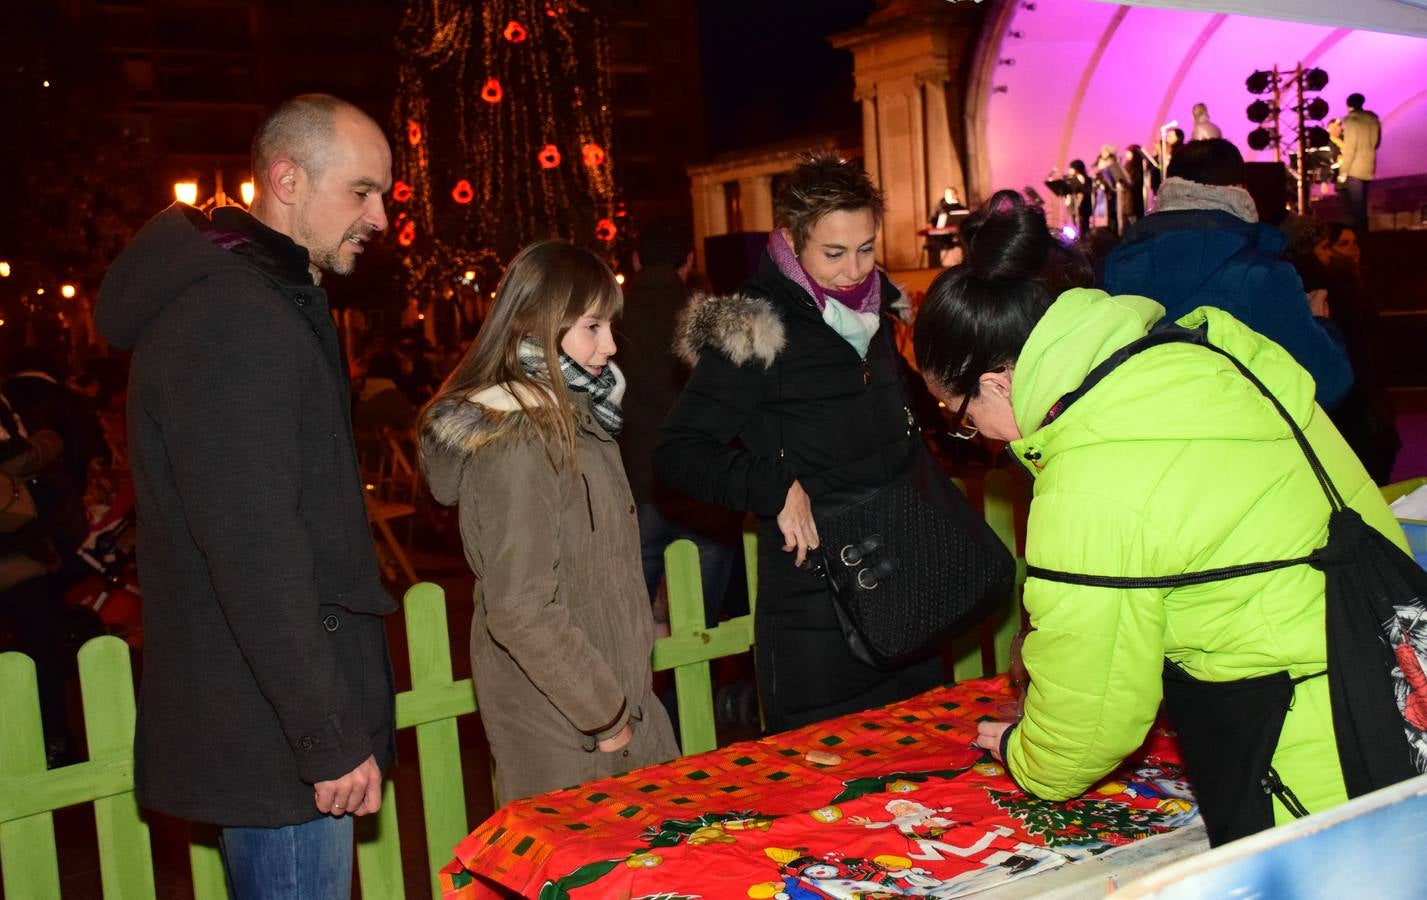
(1398, 16)
(1062, 77)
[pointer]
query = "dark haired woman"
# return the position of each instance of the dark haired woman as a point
(521, 438)
(799, 369)
(1171, 463)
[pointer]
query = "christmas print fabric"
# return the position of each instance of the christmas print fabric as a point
(894, 802)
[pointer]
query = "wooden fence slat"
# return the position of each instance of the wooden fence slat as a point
(435, 702)
(126, 865)
(692, 680)
(379, 849)
(205, 862)
(967, 658)
(26, 794)
(438, 743)
(1000, 514)
(28, 856)
(750, 569)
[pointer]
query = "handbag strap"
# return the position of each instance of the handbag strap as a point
(1178, 334)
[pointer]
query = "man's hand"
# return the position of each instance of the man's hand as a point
(618, 741)
(988, 737)
(357, 793)
(796, 522)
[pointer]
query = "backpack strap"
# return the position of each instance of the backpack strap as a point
(1178, 334)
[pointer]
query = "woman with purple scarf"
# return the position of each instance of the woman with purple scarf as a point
(795, 401)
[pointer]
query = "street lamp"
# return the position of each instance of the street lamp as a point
(187, 192)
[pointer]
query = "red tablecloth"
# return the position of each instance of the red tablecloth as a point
(909, 808)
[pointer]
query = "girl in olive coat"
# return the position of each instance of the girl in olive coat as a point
(562, 630)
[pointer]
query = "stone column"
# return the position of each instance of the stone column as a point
(870, 157)
(756, 192)
(710, 217)
(921, 190)
(901, 172)
(943, 162)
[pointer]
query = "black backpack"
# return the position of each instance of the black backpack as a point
(1376, 621)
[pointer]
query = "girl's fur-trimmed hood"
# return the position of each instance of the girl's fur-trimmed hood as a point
(461, 426)
(742, 327)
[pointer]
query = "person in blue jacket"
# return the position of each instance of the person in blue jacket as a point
(1204, 246)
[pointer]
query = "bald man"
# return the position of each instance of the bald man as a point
(266, 705)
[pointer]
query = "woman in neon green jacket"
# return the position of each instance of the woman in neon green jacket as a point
(1173, 463)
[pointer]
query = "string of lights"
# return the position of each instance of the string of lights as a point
(504, 124)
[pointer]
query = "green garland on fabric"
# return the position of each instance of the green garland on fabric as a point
(672, 832)
(587, 874)
(669, 833)
(860, 787)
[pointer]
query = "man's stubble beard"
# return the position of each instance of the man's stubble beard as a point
(326, 259)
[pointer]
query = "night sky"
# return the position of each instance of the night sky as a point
(769, 73)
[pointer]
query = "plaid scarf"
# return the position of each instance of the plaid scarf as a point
(606, 392)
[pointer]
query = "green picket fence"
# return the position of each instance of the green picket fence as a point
(29, 793)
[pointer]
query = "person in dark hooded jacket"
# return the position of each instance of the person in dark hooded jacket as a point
(266, 705)
(1204, 246)
(796, 402)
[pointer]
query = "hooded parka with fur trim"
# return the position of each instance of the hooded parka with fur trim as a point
(562, 629)
(1174, 463)
(770, 374)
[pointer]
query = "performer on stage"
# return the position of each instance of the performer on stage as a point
(941, 248)
(1111, 182)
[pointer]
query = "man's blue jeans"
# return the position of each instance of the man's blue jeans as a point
(311, 861)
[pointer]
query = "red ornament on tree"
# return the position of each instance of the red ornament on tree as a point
(462, 192)
(594, 155)
(492, 92)
(407, 235)
(413, 132)
(401, 192)
(605, 230)
(514, 32)
(548, 156)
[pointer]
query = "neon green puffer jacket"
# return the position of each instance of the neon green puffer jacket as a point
(1174, 463)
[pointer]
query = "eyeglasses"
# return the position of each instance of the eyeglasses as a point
(961, 429)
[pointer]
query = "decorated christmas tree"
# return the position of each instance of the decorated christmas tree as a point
(503, 122)
(1081, 822)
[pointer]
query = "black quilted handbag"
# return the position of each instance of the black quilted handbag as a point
(910, 565)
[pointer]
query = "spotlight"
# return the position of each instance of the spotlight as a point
(1316, 108)
(1260, 138)
(1315, 79)
(1260, 82)
(1259, 110)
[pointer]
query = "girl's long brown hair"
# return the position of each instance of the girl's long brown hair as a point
(543, 293)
